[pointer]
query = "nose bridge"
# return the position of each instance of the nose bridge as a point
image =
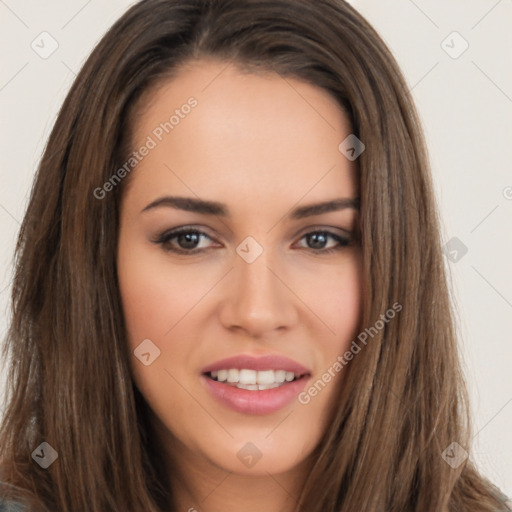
(252, 269)
(256, 285)
(258, 301)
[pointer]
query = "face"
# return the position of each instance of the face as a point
(253, 276)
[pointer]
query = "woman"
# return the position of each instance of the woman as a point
(229, 290)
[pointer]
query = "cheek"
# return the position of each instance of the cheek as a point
(153, 304)
(154, 295)
(348, 305)
(346, 300)
(158, 301)
(340, 308)
(335, 295)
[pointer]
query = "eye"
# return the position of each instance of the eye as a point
(318, 240)
(187, 240)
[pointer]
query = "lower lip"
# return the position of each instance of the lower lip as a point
(263, 401)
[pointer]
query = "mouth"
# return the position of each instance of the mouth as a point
(255, 384)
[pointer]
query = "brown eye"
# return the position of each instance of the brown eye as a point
(184, 240)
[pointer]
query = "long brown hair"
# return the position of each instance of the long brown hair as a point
(69, 381)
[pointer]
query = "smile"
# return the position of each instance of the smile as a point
(253, 380)
(255, 384)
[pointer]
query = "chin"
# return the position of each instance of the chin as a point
(257, 454)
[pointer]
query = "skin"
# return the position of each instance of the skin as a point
(262, 145)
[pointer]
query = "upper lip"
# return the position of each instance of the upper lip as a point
(264, 362)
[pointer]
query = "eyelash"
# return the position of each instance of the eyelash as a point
(165, 238)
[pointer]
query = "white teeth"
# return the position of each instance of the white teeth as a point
(280, 375)
(252, 379)
(248, 377)
(251, 387)
(266, 377)
(257, 387)
(233, 375)
(268, 386)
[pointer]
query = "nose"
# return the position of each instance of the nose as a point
(258, 299)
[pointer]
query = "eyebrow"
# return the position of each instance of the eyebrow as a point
(205, 207)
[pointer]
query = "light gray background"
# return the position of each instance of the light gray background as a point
(465, 104)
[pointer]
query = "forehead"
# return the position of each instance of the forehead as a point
(216, 127)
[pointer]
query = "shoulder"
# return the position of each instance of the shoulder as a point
(11, 506)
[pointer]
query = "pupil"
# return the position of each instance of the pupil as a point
(315, 237)
(188, 238)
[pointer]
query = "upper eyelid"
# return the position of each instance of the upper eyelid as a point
(204, 230)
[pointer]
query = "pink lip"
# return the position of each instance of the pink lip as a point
(255, 402)
(266, 362)
(262, 401)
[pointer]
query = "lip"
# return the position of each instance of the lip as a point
(263, 401)
(264, 362)
(245, 401)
